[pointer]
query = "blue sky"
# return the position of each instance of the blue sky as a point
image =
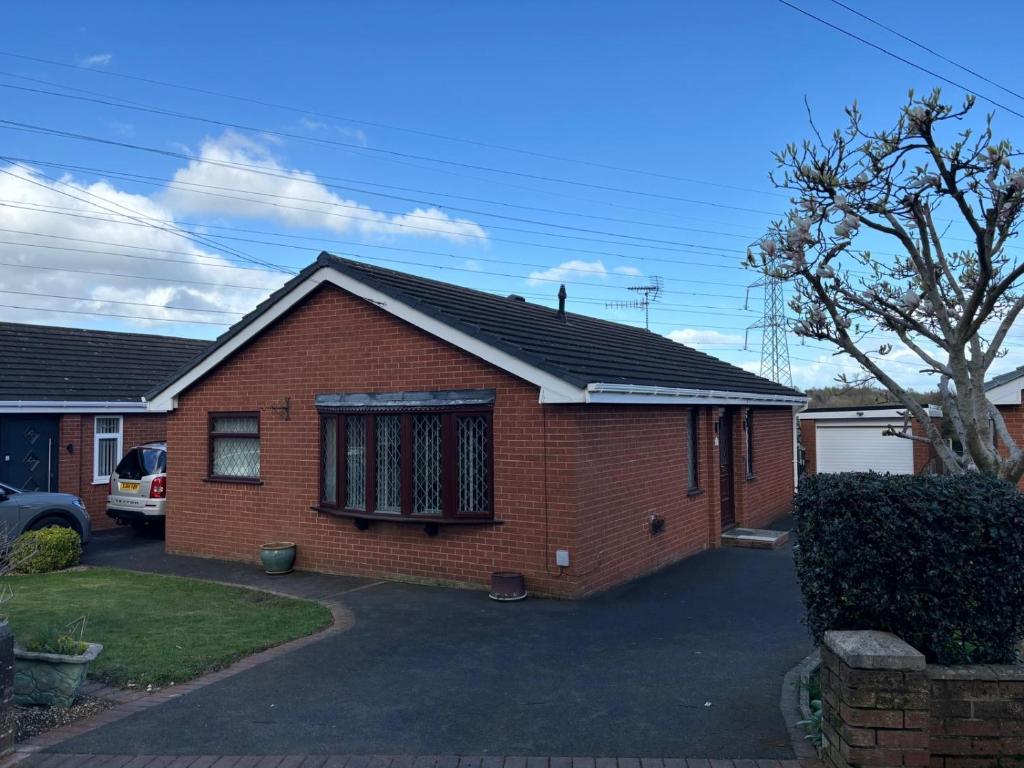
(695, 94)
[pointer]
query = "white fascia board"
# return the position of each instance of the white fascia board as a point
(71, 406)
(854, 415)
(635, 394)
(552, 389)
(1007, 393)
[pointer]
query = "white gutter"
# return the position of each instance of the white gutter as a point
(637, 394)
(69, 406)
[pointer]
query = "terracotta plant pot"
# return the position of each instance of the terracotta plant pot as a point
(507, 586)
(51, 679)
(278, 557)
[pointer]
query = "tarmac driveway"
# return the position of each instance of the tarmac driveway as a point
(687, 662)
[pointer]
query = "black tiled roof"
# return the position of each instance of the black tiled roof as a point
(40, 362)
(577, 349)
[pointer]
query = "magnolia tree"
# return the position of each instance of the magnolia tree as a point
(909, 190)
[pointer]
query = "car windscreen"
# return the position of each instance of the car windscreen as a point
(140, 462)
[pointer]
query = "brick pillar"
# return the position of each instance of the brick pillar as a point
(875, 701)
(6, 689)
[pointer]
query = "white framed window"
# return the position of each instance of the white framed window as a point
(107, 444)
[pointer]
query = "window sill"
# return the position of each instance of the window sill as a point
(751, 478)
(101, 481)
(369, 517)
(234, 480)
(695, 492)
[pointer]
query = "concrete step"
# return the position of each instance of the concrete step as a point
(754, 538)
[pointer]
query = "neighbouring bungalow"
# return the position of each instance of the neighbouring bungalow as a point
(859, 439)
(1004, 392)
(399, 427)
(71, 403)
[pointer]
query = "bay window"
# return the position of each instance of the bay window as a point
(426, 464)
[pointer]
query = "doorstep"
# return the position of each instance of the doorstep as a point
(754, 538)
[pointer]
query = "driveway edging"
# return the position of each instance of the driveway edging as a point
(791, 704)
(128, 702)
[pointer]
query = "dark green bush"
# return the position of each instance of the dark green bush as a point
(50, 549)
(935, 560)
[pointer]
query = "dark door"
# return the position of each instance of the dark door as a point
(29, 455)
(725, 465)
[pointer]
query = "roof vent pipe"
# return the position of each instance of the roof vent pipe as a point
(561, 301)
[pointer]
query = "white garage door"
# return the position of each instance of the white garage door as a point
(862, 448)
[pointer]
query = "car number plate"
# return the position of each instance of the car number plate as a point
(127, 486)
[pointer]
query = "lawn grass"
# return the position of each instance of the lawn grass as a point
(158, 629)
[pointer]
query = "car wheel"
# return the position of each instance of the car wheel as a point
(50, 521)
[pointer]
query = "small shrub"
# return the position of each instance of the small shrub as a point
(56, 643)
(51, 549)
(935, 560)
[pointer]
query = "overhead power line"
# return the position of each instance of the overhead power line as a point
(930, 50)
(353, 146)
(386, 126)
(903, 59)
(91, 198)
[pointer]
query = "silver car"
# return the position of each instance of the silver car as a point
(138, 487)
(22, 511)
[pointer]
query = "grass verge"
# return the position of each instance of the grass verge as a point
(158, 629)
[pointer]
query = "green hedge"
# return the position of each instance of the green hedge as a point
(935, 560)
(50, 549)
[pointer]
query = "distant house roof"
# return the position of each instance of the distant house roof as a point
(45, 363)
(593, 360)
(1004, 378)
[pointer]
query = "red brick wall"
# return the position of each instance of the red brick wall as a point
(766, 495)
(1013, 415)
(632, 463)
(76, 467)
(580, 478)
(809, 440)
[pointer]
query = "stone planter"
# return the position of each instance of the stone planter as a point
(278, 558)
(50, 679)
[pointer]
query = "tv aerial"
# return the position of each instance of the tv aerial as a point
(647, 294)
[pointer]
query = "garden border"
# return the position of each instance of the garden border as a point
(128, 702)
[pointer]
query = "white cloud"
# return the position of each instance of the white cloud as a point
(632, 271)
(96, 60)
(310, 204)
(695, 337)
(192, 277)
(569, 269)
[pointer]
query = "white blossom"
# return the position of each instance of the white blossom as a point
(910, 299)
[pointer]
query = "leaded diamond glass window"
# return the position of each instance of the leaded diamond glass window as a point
(474, 474)
(329, 460)
(388, 440)
(235, 446)
(427, 497)
(433, 464)
(355, 462)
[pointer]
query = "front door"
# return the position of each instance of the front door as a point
(725, 466)
(29, 455)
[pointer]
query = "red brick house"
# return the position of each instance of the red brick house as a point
(852, 439)
(1004, 391)
(394, 426)
(71, 402)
